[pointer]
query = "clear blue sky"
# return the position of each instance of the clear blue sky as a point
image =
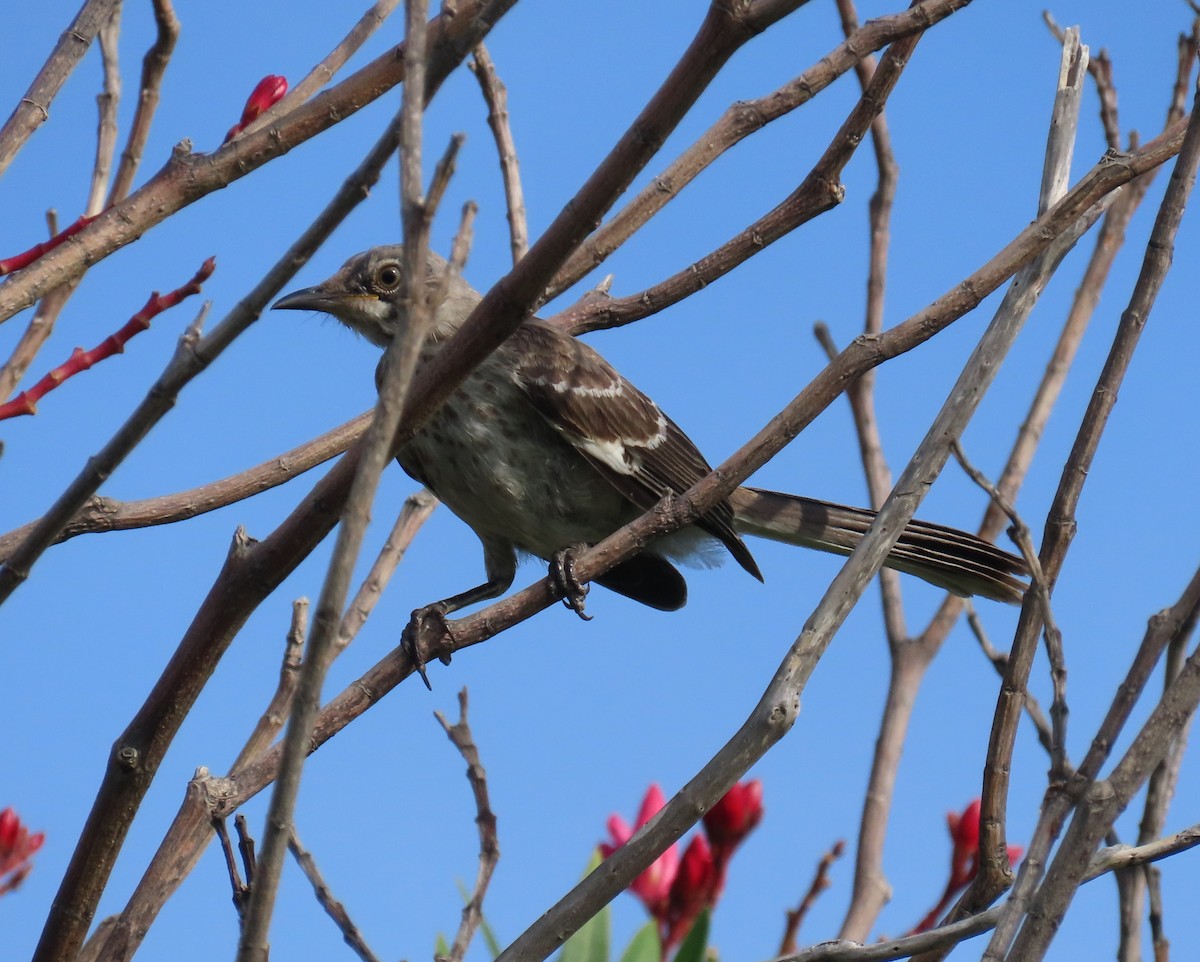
(574, 720)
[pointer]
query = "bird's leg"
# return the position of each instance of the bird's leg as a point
(562, 576)
(427, 627)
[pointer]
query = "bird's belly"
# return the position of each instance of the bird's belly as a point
(496, 463)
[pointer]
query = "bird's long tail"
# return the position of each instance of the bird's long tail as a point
(951, 559)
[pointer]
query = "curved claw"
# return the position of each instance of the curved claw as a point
(424, 627)
(562, 573)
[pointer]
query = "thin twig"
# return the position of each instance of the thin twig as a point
(820, 882)
(323, 72)
(154, 66)
(739, 121)
(333, 908)
(239, 888)
(34, 107)
(100, 513)
(999, 661)
(271, 722)
(1053, 634)
(495, 95)
(489, 844)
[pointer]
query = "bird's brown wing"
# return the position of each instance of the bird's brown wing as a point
(619, 430)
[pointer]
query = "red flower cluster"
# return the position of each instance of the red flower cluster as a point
(676, 890)
(263, 97)
(964, 860)
(16, 848)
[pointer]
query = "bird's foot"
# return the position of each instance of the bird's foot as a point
(562, 575)
(424, 635)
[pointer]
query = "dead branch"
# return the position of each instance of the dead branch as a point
(489, 845)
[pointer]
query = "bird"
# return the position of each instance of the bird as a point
(545, 447)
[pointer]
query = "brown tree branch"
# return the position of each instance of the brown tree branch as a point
(185, 841)
(99, 513)
(495, 95)
(323, 72)
(1051, 631)
(417, 213)
(739, 121)
(1104, 800)
(33, 109)
(945, 937)
(820, 191)
(1056, 542)
(911, 657)
(143, 744)
(489, 845)
(187, 177)
(154, 66)
(820, 882)
(333, 908)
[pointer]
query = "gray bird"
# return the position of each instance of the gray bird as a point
(545, 447)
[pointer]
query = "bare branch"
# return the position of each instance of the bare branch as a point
(99, 514)
(417, 213)
(496, 97)
(1053, 634)
(333, 908)
(187, 177)
(738, 122)
(154, 66)
(820, 882)
(323, 72)
(275, 714)
(34, 108)
(489, 845)
(1057, 539)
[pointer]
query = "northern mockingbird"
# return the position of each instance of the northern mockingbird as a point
(545, 446)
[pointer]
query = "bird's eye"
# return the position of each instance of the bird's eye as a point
(388, 277)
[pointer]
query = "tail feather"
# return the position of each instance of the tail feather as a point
(951, 559)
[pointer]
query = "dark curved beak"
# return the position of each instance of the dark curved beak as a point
(307, 299)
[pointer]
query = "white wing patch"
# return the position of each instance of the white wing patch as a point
(612, 453)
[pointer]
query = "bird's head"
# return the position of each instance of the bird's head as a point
(365, 295)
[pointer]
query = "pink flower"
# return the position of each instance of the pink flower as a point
(263, 97)
(654, 885)
(16, 848)
(675, 891)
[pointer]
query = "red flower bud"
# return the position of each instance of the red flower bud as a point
(693, 890)
(735, 816)
(263, 97)
(964, 837)
(16, 848)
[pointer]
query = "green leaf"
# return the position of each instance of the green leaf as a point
(485, 929)
(441, 948)
(645, 945)
(591, 942)
(696, 941)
